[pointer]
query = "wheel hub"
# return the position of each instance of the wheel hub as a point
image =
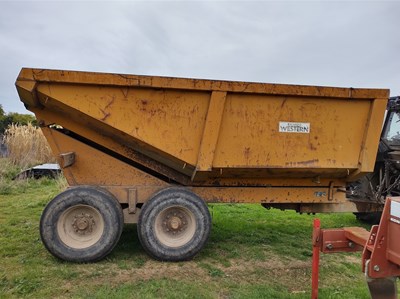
(83, 223)
(80, 226)
(175, 226)
(174, 222)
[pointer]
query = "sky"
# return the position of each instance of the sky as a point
(341, 43)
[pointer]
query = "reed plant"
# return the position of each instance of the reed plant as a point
(27, 146)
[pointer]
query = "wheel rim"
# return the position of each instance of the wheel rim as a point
(175, 226)
(80, 226)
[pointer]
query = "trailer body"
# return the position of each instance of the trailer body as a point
(284, 146)
(227, 141)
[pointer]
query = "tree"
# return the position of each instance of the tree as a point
(14, 118)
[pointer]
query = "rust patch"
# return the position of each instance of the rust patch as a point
(333, 161)
(283, 102)
(303, 163)
(312, 147)
(106, 114)
(104, 111)
(247, 153)
(110, 103)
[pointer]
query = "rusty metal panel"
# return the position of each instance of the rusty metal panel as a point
(211, 131)
(104, 137)
(166, 120)
(197, 131)
(316, 195)
(372, 132)
(92, 167)
(251, 138)
(124, 80)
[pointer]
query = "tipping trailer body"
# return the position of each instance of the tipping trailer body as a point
(284, 146)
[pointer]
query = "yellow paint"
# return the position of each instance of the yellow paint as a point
(220, 138)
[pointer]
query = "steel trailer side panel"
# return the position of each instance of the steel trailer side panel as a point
(195, 131)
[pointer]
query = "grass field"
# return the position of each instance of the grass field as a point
(252, 253)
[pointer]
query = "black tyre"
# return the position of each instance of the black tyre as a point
(369, 217)
(81, 224)
(174, 225)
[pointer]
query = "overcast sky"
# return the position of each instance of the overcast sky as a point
(348, 44)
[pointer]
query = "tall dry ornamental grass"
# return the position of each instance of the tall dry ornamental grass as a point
(27, 146)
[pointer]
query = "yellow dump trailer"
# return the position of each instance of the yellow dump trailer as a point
(153, 150)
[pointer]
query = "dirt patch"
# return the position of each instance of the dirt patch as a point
(352, 259)
(292, 274)
(152, 269)
(273, 262)
(157, 270)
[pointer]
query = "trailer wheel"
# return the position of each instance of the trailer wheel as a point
(81, 224)
(174, 225)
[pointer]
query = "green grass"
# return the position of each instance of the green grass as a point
(252, 253)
